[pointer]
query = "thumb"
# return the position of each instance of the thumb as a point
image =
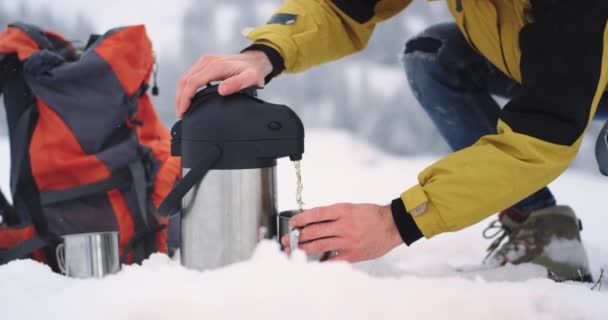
(239, 82)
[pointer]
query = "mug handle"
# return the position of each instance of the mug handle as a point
(60, 253)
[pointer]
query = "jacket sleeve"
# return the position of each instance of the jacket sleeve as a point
(307, 33)
(564, 68)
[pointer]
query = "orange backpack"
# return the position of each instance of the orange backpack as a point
(88, 152)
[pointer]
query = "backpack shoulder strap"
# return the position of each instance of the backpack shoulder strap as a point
(21, 113)
(23, 249)
(35, 33)
(2, 72)
(114, 181)
(6, 209)
(20, 139)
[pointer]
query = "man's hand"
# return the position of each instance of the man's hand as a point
(357, 231)
(239, 71)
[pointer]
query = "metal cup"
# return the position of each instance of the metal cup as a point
(89, 255)
(283, 229)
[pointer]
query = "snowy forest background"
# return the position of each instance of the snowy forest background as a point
(365, 94)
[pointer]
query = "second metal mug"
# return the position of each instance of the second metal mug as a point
(283, 229)
(89, 255)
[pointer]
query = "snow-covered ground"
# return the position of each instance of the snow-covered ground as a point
(409, 283)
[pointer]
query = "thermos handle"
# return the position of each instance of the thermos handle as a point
(171, 205)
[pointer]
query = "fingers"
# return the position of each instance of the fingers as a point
(315, 215)
(315, 231)
(357, 231)
(239, 82)
(321, 245)
(202, 62)
(197, 67)
(339, 255)
(316, 238)
(319, 230)
(238, 71)
(189, 86)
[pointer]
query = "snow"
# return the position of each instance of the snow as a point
(419, 282)
(565, 251)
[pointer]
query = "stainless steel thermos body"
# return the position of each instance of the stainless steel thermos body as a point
(226, 215)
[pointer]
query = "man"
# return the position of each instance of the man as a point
(547, 56)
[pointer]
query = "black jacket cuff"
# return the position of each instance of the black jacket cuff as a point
(278, 64)
(405, 223)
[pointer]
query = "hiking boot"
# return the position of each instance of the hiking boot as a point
(549, 237)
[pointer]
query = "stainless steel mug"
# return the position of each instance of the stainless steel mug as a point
(89, 255)
(283, 229)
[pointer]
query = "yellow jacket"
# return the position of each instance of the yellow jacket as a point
(557, 54)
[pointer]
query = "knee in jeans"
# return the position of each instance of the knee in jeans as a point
(423, 44)
(421, 54)
(601, 150)
(431, 39)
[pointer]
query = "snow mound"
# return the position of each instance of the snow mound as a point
(270, 286)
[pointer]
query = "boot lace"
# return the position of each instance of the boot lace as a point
(519, 241)
(498, 231)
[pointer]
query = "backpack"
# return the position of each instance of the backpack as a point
(88, 151)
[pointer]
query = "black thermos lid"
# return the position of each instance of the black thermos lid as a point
(251, 133)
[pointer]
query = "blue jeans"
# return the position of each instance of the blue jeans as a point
(455, 85)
